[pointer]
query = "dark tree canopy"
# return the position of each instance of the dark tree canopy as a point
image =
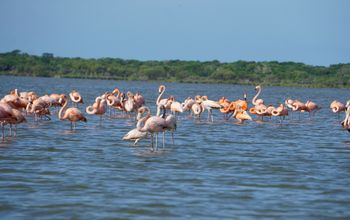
(239, 72)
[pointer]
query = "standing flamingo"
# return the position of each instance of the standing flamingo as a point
(98, 108)
(162, 103)
(259, 106)
(175, 106)
(337, 107)
(312, 107)
(151, 124)
(241, 115)
(71, 114)
(209, 105)
(6, 116)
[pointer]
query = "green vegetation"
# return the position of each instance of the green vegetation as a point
(240, 72)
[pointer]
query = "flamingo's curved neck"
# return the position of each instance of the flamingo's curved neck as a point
(256, 96)
(78, 99)
(140, 123)
(160, 96)
(62, 109)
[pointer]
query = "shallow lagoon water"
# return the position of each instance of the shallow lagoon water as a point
(222, 170)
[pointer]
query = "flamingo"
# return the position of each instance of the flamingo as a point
(98, 108)
(18, 118)
(72, 114)
(259, 106)
(39, 107)
(311, 107)
(175, 106)
(241, 115)
(15, 101)
(255, 100)
(280, 111)
(75, 97)
(129, 104)
(162, 103)
(6, 116)
(151, 124)
(209, 105)
(337, 106)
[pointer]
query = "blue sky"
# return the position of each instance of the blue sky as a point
(315, 32)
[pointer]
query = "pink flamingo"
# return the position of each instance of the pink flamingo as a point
(162, 103)
(337, 106)
(71, 114)
(312, 107)
(280, 111)
(151, 124)
(98, 108)
(209, 105)
(6, 116)
(175, 106)
(241, 115)
(259, 106)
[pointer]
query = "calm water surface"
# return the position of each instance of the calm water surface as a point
(221, 170)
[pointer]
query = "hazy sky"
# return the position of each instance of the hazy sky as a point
(315, 32)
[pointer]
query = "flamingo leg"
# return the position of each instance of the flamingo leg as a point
(15, 131)
(10, 129)
(71, 125)
(3, 131)
(163, 139)
(172, 137)
(156, 141)
(152, 142)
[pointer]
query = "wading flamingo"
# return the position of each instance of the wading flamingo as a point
(175, 106)
(311, 107)
(280, 111)
(6, 116)
(162, 103)
(337, 107)
(151, 124)
(98, 108)
(71, 114)
(209, 105)
(241, 115)
(197, 107)
(259, 106)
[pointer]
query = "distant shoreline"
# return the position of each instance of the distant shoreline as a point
(270, 73)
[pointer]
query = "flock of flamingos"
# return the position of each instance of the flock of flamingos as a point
(16, 106)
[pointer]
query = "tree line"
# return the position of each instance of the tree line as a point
(270, 73)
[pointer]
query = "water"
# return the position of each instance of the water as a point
(220, 170)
